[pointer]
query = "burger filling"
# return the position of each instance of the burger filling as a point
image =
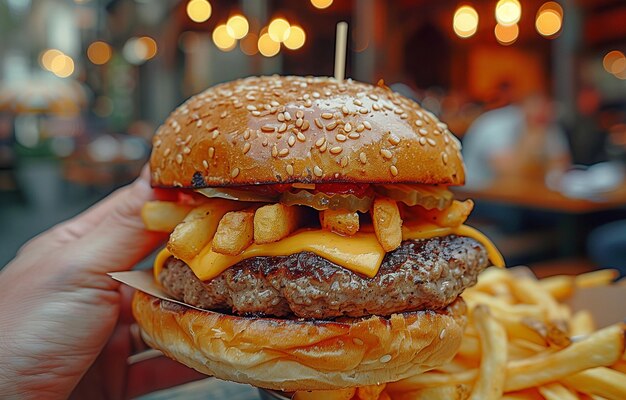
(318, 251)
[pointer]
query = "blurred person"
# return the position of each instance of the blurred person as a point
(62, 315)
(606, 246)
(516, 141)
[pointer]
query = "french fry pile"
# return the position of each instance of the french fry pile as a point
(520, 343)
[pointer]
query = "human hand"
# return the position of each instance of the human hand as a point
(58, 307)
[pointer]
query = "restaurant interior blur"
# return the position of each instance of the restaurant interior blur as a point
(534, 89)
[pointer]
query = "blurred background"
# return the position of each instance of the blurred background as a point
(536, 90)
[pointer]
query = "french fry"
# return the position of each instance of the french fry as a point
(596, 278)
(499, 307)
(493, 343)
(582, 323)
(601, 348)
(559, 286)
(490, 278)
(620, 365)
(198, 228)
(387, 223)
(234, 233)
(528, 291)
(163, 216)
(433, 379)
(275, 221)
(338, 394)
(556, 391)
(529, 394)
(371, 392)
(454, 215)
(600, 381)
(340, 221)
(447, 392)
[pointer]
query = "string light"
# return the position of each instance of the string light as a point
(614, 62)
(267, 46)
(222, 39)
(47, 57)
(465, 21)
(321, 4)
(549, 19)
(248, 45)
(508, 12)
(62, 66)
(237, 26)
(278, 30)
(506, 35)
(99, 52)
(199, 10)
(296, 38)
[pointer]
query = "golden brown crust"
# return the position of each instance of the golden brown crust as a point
(301, 355)
(302, 129)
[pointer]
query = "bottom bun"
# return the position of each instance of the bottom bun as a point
(292, 355)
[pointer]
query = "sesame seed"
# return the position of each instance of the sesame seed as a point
(422, 141)
(246, 148)
(398, 111)
(186, 150)
(320, 141)
(308, 103)
(423, 131)
(268, 128)
(437, 132)
(177, 129)
(282, 127)
(157, 143)
(358, 342)
(210, 127)
(316, 95)
(301, 136)
(265, 142)
(234, 172)
(327, 115)
(317, 170)
(385, 359)
(363, 158)
(354, 135)
(299, 114)
(341, 138)
(318, 123)
(367, 124)
(444, 157)
(347, 127)
(446, 139)
(211, 152)
(287, 116)
(393, 139)
(386, 153)
(344, 110)
(331, 125)
(224, 114)
(364, 110)
(305, 125)
(179, 158)
(299, 122)
(167, 152)
(256, 113)
(291, 141)
(360, 128)
(274, 103)
(323, 147)
(281, 117)
(431, 142)
(404, 116)
(246, 134)
(199, 123)
(205, 164)
(358, 102)
(344, 161)
(394, 170)
(274, 151)
(375, 107)
(289, 169)
(336, 150)
(327, 93)
(283, 152)
(187, 139)
(215, 134)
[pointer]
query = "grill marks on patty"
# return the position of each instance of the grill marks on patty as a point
(418, 275)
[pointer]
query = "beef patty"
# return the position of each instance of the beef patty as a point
(424, 274)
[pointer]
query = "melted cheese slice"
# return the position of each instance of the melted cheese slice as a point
(361, 253)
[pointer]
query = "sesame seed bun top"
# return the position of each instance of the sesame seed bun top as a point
(263, 130)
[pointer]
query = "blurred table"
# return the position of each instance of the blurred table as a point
(532, 194)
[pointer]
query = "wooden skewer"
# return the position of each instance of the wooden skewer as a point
(340, 50)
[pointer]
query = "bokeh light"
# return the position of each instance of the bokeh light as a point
(614, 62)
(267, 46)
(138, 50)
(508, 12)
(296, 38)
(99, 52)
(47, 57)
(148, 46)
(237, 26)
(549, 19)
(62, 66)
(199, 10)
(278, 30)
(321, 4)
(222, 39)
(465, 21)
(249, 44)
(506, 35)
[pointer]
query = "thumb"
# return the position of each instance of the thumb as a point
(120, 240)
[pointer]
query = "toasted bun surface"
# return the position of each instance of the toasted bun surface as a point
(262, 130)
(294, 355)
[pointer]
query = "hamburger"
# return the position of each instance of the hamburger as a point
(312, 232)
